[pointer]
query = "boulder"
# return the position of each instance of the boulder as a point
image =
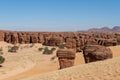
(66, 57)
(96, 53)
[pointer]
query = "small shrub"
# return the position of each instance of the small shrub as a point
(2, 59)
(40, 49)
(9, 47)
(53, 58)
(13, 49)
(62, 46)
(47, 51)
(53, 49)
(46, 48)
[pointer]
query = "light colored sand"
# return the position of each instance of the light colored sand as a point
(102, 70)
(29, 62)
(115, 50)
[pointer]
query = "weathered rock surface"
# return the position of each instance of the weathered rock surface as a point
(71, 43)
(7, 37)
(96, 53)
(55, 41)
(66, 57)
(73, 40)
(107, 42)
(34, 38)
(14, 37)
(2, 36)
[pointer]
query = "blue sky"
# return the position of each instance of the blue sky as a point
(58, 15)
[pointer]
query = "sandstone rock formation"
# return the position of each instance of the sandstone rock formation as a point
(1, 36)
(71, 43)
(21, 38)
(7, 37)
(34, 38)
(55, 41)
(91, 41)
(66, 57)
(14, 37)
(40, 38)
(96, 53)
(73, 40)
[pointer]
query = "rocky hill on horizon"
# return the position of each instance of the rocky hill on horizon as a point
(105, 29)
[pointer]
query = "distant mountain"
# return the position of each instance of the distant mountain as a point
(105, 29)
(116, 29)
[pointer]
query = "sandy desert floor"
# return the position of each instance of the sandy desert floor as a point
(102, 70)
(28, 61)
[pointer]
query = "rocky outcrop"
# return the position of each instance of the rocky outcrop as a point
(71, 43)
(21, 38)
(96, 53)
(34, 38)
(73, 40)
(40, 38)
(14, 37)
(27, 38)
(55, 41)
(91, 41)
(2, 36)
(66, 57)
(107, 42)
(7, 37)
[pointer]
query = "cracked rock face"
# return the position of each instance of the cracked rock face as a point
(96, 53)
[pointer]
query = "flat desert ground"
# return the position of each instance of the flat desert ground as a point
(30, 64)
